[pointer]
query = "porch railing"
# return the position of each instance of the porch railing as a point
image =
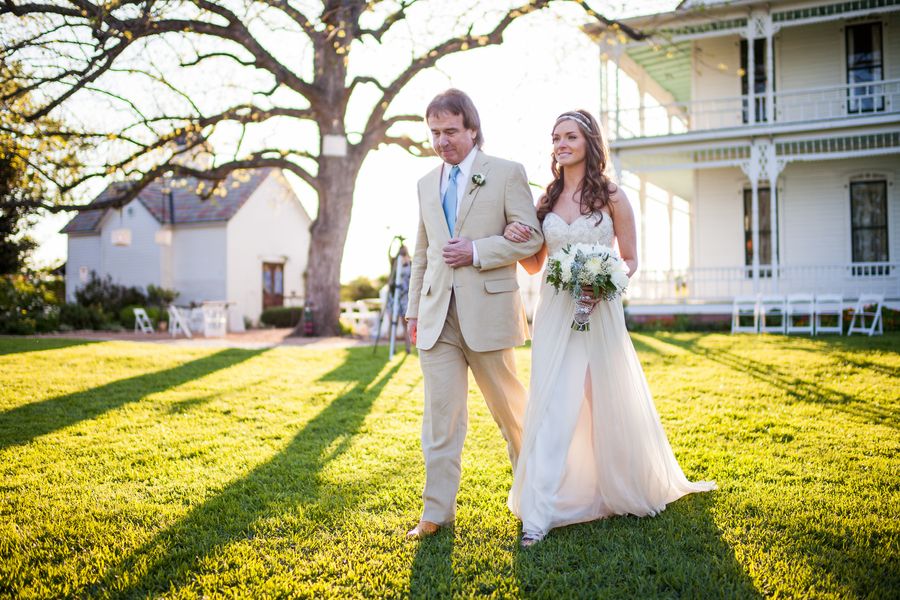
(722, 284)
(790, 106)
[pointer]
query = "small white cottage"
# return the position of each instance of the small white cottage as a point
(247, 245)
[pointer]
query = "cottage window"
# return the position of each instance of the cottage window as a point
(865, 65)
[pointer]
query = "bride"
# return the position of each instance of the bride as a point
(593, 443)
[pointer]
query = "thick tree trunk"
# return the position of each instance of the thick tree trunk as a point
(337, 180)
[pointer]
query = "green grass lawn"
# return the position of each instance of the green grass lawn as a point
(134, 470)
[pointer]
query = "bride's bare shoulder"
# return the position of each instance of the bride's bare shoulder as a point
(618, 201)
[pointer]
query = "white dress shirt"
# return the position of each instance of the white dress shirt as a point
(462, 182)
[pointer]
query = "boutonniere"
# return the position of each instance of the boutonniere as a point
(478, 179)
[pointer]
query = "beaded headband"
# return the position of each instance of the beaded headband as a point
(575, 117)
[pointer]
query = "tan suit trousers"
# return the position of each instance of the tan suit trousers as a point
(445, 370)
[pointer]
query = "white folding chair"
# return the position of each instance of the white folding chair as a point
(800, 306)
(177, 322)
(215, 319)
(772, 314)
(868, 306)
(829, 306)
(194, 318)
(142, 321)
(745, 307)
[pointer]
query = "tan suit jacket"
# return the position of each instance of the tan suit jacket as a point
(491, 315)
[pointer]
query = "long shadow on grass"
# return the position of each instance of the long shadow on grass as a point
(780, 375)
(678, 553)
(21, 345)
(432, 568)
(24, 423)
(288, 484)
(643, 347)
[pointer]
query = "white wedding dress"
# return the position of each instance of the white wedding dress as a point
(593, 444)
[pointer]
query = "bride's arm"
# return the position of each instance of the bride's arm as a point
(535, 263)
(517, 232)
(623, 223)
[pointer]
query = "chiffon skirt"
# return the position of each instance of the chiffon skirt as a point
(593, 443)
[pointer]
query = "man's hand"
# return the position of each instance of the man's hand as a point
(412, 328)
(458, 252)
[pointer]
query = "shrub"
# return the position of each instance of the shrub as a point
(76, 316)
(28, 304)
(159, 296)
(113, 303)
(103, 293)
(282, 316)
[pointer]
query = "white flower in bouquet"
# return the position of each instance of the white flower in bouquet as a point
(565, 265)
(619, 278)
(593, 266)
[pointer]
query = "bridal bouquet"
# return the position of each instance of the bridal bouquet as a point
(580, 266)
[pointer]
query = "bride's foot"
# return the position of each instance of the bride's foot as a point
(530, 539)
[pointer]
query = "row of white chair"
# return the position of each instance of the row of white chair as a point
(803, 313)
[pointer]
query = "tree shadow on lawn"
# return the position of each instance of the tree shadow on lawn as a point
(678, 553)
(782, 376)
(276, 489)
(24, 423)
(21, 345)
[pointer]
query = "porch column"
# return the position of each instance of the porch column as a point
(617, 53)
(671, 209)
(617, 166)
(640, 86)
(643, 197)
(773, 167)
(750, 35)
(770, 29)
(754, 228)
(753, 170)
(604, 90)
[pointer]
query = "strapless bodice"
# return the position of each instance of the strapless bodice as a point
(584, 230)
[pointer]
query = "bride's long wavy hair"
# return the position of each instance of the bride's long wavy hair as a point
(596, 187)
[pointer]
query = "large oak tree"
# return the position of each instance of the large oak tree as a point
(289, 62)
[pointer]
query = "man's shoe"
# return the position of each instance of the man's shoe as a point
(423, 530)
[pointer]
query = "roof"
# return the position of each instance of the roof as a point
(190, 206)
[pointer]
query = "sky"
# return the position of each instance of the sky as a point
(544, 67)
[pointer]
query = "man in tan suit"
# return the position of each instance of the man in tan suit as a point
(464, 309)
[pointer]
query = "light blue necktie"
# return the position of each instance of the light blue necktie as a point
(450, 200)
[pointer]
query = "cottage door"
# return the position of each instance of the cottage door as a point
(273, 285)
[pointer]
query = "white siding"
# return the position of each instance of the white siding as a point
(815, 207)
(83, 251)
(716, 84)
(810, 56)
(271, 224)
(716, 64)
(718, 218)
(199, 262)
(891, 41)
(137, 264)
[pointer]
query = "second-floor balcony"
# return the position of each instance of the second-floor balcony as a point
(832, 104)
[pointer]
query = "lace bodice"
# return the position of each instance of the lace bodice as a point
(584, 229)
